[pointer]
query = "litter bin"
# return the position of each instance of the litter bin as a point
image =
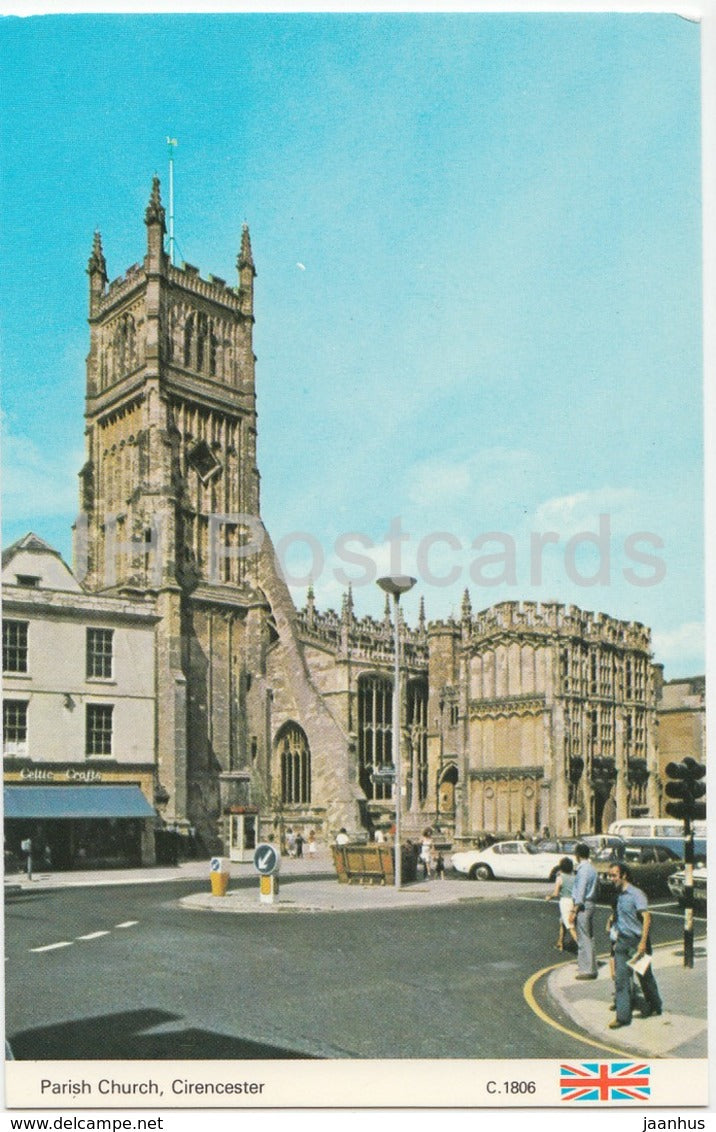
(219, 875)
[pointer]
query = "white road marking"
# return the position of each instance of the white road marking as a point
(52, 946)
(92, 935)
(127, 924)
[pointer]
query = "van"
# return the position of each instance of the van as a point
(661, 831)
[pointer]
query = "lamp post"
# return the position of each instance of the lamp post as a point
(397, 585)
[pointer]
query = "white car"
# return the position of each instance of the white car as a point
(508, 860)
(676, 885)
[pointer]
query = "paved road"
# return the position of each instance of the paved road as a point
(125, 973)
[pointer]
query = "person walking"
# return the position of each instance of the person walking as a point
(426, 853)
(584, 895)
(633, 922)
(299, 844)
(312, 843)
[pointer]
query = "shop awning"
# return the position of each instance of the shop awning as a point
(76, 802)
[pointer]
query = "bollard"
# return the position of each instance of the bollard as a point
(268, 891)
(267, 862)
(219, 871)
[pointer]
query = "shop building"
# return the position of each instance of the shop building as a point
(79, 734)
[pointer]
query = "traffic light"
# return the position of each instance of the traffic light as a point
(686, 785)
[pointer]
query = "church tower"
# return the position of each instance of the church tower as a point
(171, 421)
(170, 496)
(169, 512)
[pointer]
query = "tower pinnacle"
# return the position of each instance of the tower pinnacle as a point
(155, 213)
(97, 264)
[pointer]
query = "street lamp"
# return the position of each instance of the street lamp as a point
(397, 585)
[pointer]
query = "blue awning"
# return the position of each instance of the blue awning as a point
(76, 802)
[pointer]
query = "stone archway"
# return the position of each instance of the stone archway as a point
(447, 781)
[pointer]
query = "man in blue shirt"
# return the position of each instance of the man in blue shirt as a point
(584, 895)
(632, 920)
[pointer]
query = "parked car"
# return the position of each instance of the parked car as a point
(650, 867)
(676, 885)
(568, 845)
(508, 860)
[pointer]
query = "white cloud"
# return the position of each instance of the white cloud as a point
(570, 514)
(682, 644)
(36, 482)
(484, 477)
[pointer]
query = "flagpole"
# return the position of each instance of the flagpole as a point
(171, 145)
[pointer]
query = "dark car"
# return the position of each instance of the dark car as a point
(650, 867)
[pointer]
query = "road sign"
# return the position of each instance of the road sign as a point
(215, 865)
(267, 859)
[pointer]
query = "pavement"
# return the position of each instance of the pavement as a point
(309, 885)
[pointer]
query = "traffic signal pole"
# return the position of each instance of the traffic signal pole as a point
(687, 789)
(688, 893)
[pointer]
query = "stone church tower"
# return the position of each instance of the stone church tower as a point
(170, 512)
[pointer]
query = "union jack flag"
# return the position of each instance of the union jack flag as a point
(605, 1081)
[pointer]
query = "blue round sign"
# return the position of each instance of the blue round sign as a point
(267, 859)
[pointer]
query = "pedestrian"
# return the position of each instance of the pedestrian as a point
(633, 922)
(562, 891)
(584, 895)
(312, 843)
(290, 842)
(426, 852)
(299, 844)
(440, 866)
(26, 847)
(379, 836)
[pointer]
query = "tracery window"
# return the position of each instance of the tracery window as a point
(375, 734)
(417, 719)
(295, 765)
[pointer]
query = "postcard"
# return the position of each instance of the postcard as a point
(353, 473)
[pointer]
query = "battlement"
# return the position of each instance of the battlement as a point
(363, 638)
(214, 288)
(120, 287)
(549, 619)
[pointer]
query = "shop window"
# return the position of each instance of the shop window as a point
(99, 653)
(14, 646)
(14, 725)
(99, 729)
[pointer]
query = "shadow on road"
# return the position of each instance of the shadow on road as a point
(123, 1037)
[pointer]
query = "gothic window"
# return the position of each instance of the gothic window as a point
(201, 336)
(213, 352)
(295, 765)
(418, 729)
(125, 345)
(188, 339)
(375, 733)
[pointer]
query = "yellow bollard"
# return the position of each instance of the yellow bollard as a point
(219, 876)
(219, 884)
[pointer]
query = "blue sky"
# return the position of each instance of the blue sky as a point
(478, 303)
